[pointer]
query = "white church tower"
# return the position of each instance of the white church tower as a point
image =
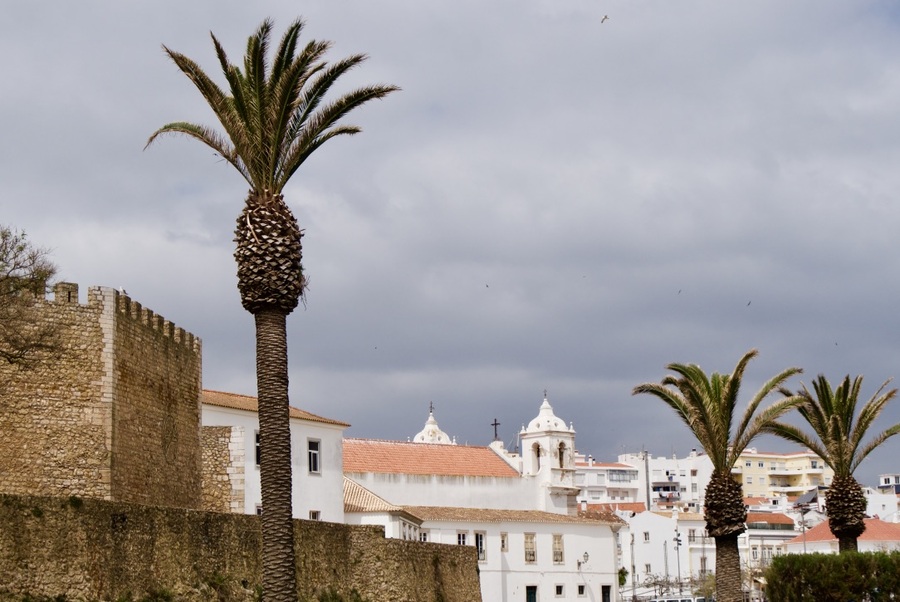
(548, 456)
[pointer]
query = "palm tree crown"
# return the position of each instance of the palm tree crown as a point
(838, 440)
(707, 405)
(275, 116)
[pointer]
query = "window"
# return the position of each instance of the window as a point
(479, 546)
(748, 464)
(257, 449)
(581, 593)
(504, 542)
(761, 464)
(646, 536)
(461, 538)
(692, 535)
(755, 553)
(694, 472)
(703, 568)
(749, 480)
(313, 515)
(814, 463)
(559, 590)
(259, 509)
(423, 535)
(312, 447)
(647, 568)
(530, 552)
(557, 548)
(693, 487)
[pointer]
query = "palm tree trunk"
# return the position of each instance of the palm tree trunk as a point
(847, 544)
(279, 572)
(728, 570)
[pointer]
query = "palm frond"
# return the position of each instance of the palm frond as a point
(706, 404)
(831, 413)
(274, 116)
(207, 136)
(793, 434)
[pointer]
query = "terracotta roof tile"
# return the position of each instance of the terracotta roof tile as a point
(359, 499)
(876, 530)
(443, 513)
(755, 501)
(636, 507)
(249, 404)
(373, 455)
(772, 518)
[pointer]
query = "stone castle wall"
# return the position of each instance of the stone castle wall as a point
(222, 473)
(98, 550)
(114, 413)
(156, 415)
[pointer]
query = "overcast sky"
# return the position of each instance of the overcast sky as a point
(554, 201)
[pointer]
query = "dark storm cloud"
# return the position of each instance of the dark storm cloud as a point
(551, 202)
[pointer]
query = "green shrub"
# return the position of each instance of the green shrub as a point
(851, 576)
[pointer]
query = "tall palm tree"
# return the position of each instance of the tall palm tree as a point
(707, 405)
(838, 441)
(274, 116)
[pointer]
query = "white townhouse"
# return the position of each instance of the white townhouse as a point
(316, 455)
(518, 511)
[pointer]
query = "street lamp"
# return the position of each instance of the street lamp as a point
(584, 558)
(677, 540)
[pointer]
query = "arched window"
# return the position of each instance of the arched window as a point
(537, 456)
(562, 454)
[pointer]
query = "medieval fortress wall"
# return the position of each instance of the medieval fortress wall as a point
(104, 467)
(113, 414)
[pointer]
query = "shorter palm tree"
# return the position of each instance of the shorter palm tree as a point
(707, 405)
(838, 441)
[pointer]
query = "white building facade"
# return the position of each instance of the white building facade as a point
(316, 455)
(518, 511)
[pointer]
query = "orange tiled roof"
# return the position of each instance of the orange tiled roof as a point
(755, 501)
(248, 403)
(876, 530)
(772, 518)
(359, 499)
(636, 507)
(372, 455)
(480, 515)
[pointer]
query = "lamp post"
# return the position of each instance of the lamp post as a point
(666, 561)
(633, 593)
(677, 540)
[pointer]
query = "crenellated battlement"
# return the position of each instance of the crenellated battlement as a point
(98, 296)
(122, 390)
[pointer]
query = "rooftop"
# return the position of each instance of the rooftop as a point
(479, 515)
(772, 518)
(249, 404)
(397, 457)
(876, 530)
(636, 507)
